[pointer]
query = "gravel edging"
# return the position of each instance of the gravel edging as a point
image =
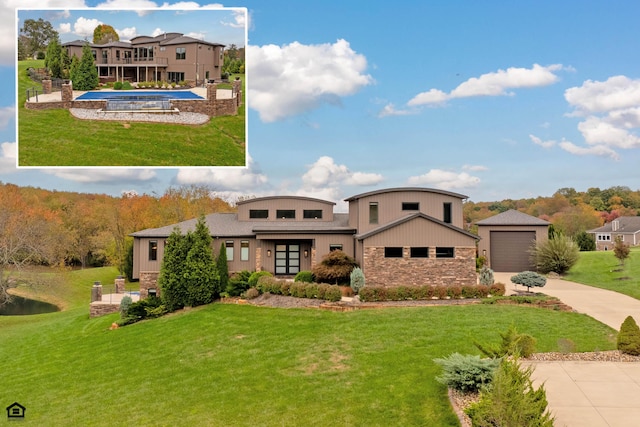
(180, 118)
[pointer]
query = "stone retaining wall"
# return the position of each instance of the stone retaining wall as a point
(381, 271)
(97, 309)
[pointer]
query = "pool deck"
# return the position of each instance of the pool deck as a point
(115, 299)
(200, 91)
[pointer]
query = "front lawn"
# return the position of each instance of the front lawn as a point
(602, 269)
(224, 365)
(56, 138)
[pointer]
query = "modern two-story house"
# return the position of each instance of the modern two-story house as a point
(170, 57)
(399, 236)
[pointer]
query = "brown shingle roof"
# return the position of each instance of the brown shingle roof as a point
(401, 189)
(626, 225)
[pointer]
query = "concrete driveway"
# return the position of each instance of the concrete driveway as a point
(590, 394)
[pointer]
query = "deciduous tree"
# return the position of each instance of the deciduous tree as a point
(104, 34)
(38, 34)
(621, 249)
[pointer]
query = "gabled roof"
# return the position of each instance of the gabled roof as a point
(513, 217)
(227, 225)
(403, 189)
(411, 217)
(626, 225)
(186, 40)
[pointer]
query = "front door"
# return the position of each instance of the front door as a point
(287, 259)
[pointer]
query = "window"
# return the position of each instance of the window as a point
(93, 52)
(393, 252)
(419, 252)
(153, 250)
(606, 237)
(244, 250)
(162, 48)
(229, 246)
(373, 213)
(312, 214)
(410, 206)
(286, 213)
(446, 214)
(118, 55)
(444, 252)
(175, 77)
(335, 248)
(259, 213)
(181, 53)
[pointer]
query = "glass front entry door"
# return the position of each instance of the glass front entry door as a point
(287, 259)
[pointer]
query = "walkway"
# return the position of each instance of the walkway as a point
(590, 394)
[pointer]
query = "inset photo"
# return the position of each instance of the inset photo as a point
(152, 87)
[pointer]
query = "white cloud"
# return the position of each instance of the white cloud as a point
(127, 33)
(191, 5)
(475, 168)
(249, 179)
(103, 175)
(84, 27)
(296, 78)
(64, 28)
(496, 83)
(598, 130)
(617, 92)
(446, 180)
(141, 5)
(157, 32)
(8, 157)
(325, 173)
(240, 19)
(196, 35)
(598, 150)
(7, 114)
(390, 110)
(540, 142)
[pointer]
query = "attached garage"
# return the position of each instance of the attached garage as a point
(507, 238)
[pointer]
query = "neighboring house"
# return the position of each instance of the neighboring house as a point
(506, 239)
(170, 57)
(399, 236)
(628, 227)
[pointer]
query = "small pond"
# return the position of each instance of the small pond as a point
(20, 306)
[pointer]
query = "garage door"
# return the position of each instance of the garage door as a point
(509, 250)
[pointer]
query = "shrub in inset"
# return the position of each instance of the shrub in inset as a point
(557, 254)
(511, 400)
(497, 289)
(486, 276)
(304, 276)
(125, 303)
(253, 279)
(357, 279)
(117, 85)
(468, 373)
(238, 283)
(252, 293)
(629, 337)
(529, 279)
(333, 293)
(335, 267)
(513, 343)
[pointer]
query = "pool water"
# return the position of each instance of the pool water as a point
(133, 94)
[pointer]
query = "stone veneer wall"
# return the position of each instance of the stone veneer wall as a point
(381, 271)
(148, 280)
(97, 309)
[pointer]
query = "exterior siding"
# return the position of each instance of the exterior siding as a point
(484, 231)
(390, 208)
(297, 204)
(419, 232)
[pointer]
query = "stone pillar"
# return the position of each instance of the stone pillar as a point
(313, 257)
(212, 91)
(67, 94)
(120, 285)
(46, 86)
(258, 259)
(237, 91)
(96, 292)
(148, 280)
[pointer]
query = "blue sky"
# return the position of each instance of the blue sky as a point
(491, 99)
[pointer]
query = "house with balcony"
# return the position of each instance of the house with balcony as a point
(399, 236)
(170, 57)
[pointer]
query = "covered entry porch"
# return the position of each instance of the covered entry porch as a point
(285, 257)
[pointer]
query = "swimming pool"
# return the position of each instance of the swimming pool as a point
(133, 94)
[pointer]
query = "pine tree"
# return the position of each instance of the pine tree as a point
(200, 272)
(85, 75)
(171, 281)
(53, 59)
(223, 267)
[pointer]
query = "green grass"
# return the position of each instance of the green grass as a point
(602, 269)
(224, 365)
(56, 138)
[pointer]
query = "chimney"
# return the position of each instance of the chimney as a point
(615, 225)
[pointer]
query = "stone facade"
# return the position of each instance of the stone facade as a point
(148, 280)
(97, 309)
(381, 271)
(120, 286)
(47, 86)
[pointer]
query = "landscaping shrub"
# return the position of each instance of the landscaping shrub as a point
(335, 267)
(147, 308)
(621, 250)
(238, 283)
(357, 279)
(304, 276)
(557, 254)
(269, 284)
(629, 337)
(126, 86)
(125, 303)
(311, 290)
(333, 293)
(117, 85)
(298, 290)
(529, 279)
(252, 293)
(497, 289)
(426, 292)
(467, 373)
(253, 279)
(486, 276)
(511, 400)
(454, 291)
(474, 291)
(513, 343)
(481, 261)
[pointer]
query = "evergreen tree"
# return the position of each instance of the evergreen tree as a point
(171, 279)
(53, 59)
(200, 273)
(85, 75)
(223, 267)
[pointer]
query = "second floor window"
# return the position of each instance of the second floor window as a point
(446, 215)
(181, 53)
(258, 213)
(286, 213)
(373, 213)
(410, 206)
(153, 250)
(229, 247)
(312, 214)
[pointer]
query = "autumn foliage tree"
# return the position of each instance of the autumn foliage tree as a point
(335, 267)
(621, 249)
(104, 34)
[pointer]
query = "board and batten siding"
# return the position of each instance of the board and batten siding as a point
(420, 232)
(484, 231)
(141, 247)
(390, 208)
(237, 264)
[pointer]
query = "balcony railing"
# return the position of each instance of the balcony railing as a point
(141, 61)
